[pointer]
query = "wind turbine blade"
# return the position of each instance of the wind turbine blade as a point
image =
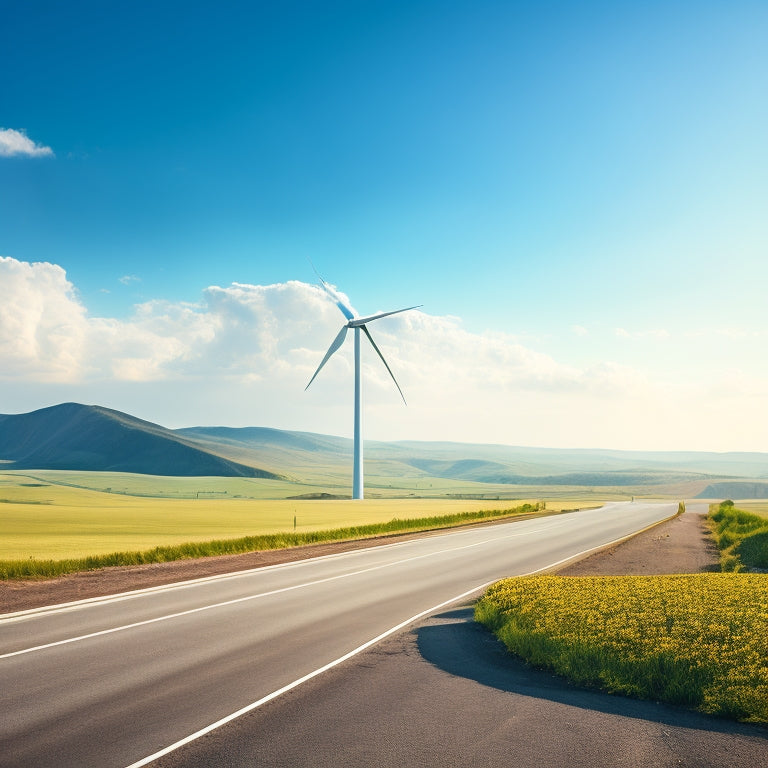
(345, 310)
(362, 320)
(337, 342)
(378, 351)
(340, 303)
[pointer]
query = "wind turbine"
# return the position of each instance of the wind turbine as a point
(357, 323)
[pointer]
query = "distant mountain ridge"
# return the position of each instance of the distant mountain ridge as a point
(482, 463)
(91, 438)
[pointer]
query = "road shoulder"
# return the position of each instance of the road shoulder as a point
(679, 545)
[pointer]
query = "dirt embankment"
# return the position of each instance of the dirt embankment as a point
(678, 546)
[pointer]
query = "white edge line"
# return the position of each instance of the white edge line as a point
(245, 598)
(120, 596)
(296, 683)
(330, 665)
(87, 602)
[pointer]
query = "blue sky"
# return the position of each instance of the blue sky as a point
(588, 181)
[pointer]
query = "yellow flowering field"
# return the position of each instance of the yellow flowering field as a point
(695, 639)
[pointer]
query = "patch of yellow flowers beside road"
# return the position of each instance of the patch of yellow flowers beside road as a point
(695, 639)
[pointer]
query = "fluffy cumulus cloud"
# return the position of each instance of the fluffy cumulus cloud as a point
(43, 326)
(14, 142)
(251, 332)
(244, 354)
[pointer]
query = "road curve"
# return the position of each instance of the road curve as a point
(114, 682)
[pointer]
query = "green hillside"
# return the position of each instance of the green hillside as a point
(91, 438)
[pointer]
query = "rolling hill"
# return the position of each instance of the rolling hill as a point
(92, 438)
(302, 454)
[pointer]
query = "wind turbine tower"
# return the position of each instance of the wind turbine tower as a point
(358, 324)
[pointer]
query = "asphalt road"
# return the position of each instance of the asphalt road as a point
(447, 695)
(117, 681)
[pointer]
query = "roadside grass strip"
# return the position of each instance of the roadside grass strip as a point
(741, 537)
(33, 568)
(700, 640)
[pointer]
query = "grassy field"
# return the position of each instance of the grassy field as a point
(39, 519)
(35, 568)
(124, 483)
(42, 518)
(79, 523)
(757, 507)
(700, 640)
(376, 486)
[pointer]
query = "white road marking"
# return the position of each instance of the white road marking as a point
(88, 602)
(247, 598)
(304, 679)
(132, 594)
(331, 664)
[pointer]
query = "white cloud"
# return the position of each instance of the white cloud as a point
(244, 354)
(128, 279)
(17, 143)
(43, 326)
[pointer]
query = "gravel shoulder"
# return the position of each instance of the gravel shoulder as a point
(679, 545)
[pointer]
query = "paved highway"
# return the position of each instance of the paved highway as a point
(119, 681)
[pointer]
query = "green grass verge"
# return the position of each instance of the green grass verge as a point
(699, 640)
(33, 568)
(741, 536)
